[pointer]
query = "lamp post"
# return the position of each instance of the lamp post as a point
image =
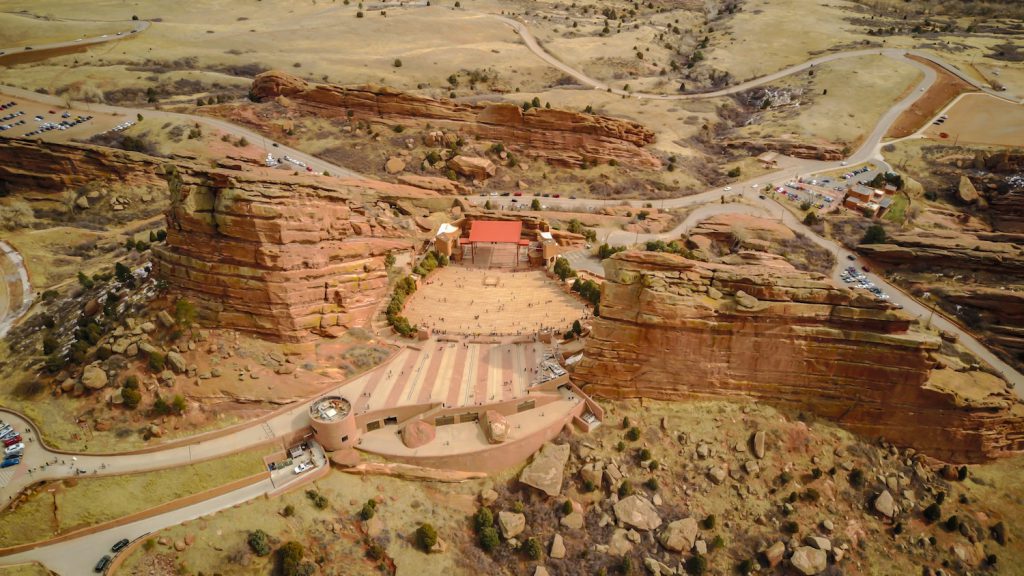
(927, 297)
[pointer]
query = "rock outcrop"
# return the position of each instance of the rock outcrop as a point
(284, 257)
(928, 250)
(789, 147)
(561, 137)
(38, 168)
(673, 328)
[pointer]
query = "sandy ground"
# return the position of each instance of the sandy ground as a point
(857, 97)
(982, 119)
(456, 299)
(942, 92)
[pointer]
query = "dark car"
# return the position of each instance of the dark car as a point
(851, 257)
(101, 566)
(865, 268)
(120, 545)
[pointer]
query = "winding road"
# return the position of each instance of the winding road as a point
(77, 555)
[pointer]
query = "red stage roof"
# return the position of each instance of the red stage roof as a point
(493, 231)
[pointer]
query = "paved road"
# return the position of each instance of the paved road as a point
(11, 310)
(79, 556)
(137, 27)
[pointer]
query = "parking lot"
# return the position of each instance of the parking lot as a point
(857, 280)
(23, 118)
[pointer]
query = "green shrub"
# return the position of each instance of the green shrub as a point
(156, 361)
(489, 539)
(50, 344)
(318, 499)
(709, 522)
(952, 523)
(789, 527)
(259, 542)
(932, 513)
(856, 477)
(426, 536)
(734, 173)
(532, 549)
(54, 363)
(288, 511)
(289, 557)
(696, 565)
(367, 511)
(621, 446)
(131, 397)
(643, 454)
(625, 489)
(567, 507)
(50, 295)
(483, 518)
(633, 434)
(85, 281)
(588, 485)
(651, 484)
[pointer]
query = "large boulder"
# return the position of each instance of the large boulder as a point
(679, 535)
(809, 561)
(394, 165)
(176, 362)
(759, 444)
(511, 524)
(546, 471)
(774, 553)
(93, 377)
(638, 512)
(473, 167)
(418, 433)
(885, 504)
(966, 191)
(496, 427)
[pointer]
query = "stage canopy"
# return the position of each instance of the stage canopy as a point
(494, 231)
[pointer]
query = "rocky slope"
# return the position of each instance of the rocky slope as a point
(560, 137)
(946, 249)
(28, 166)
(283, 257)
(672, 328)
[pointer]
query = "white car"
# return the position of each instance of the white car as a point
(727, 189)
(303, 467)
(755, 186)
(15, 449)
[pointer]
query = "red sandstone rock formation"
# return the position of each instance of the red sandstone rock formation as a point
(28, 166)
(558, 136)
(284, 257)
(673, 328)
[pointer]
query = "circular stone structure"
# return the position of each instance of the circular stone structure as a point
(334, 424)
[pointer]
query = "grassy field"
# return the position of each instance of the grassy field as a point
(62, 507)
(330, 534)
(857, 97)
(898, 211)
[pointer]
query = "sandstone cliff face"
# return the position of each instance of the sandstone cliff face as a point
(944, 250)
(559, 136)
(672, 328)
(283, 257)
(27, 166)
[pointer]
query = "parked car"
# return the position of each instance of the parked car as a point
(851, 257)
(101, 566)
(12, 440)
(13, 461)
(15, 449)
(120, 545)
(303, 467)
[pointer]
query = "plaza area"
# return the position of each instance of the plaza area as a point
(457, 300)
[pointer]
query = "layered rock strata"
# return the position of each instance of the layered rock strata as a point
(561, 137)
(674, 328)
(44, 170)
(284, 257)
